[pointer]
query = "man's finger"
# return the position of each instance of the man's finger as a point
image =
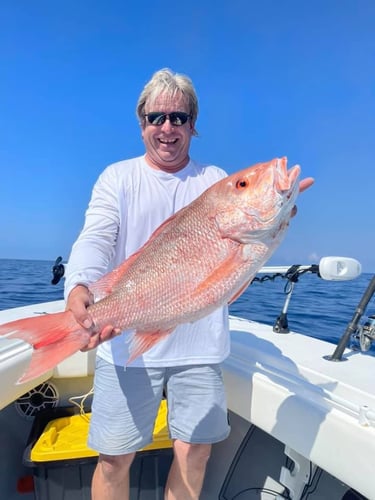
(305, 184)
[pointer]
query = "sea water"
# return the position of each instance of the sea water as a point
(318, 308)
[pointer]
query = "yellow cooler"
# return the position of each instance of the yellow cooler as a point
(63, 464)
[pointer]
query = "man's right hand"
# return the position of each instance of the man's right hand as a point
(78, 301)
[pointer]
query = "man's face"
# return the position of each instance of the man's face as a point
(167, 146)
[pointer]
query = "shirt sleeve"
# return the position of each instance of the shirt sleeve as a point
(93, 251)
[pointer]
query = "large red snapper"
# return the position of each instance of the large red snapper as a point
(202, 257)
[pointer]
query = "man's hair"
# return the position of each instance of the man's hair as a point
(165, 81)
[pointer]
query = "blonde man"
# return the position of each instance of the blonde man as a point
(129, 201)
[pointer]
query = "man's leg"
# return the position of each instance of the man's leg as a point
(187, 472)
(124, 408)
(111, 477)
(197, 417)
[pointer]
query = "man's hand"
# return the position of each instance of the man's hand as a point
(78, 301)
(305, 184)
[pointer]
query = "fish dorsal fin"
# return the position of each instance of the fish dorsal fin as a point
(108, 283)
(163, 226)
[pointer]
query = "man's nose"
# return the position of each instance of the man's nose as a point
(167, 125)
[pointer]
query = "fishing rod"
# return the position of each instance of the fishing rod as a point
(365, 334)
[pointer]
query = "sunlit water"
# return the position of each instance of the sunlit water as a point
(318, 308)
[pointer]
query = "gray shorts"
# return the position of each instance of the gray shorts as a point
(126, 403)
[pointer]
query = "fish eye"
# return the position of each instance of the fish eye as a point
(241, 184)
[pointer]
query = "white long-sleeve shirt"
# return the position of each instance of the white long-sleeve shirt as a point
(129, 201)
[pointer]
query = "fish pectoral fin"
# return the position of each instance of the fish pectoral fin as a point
(240, 291)
(141, 342)
(220, 274)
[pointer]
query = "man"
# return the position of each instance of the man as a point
(129, 201)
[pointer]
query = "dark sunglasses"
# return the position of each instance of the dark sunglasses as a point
(177, 118)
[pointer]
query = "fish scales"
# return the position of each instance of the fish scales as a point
(158, 289)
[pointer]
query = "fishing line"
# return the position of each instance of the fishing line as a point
(82, 399)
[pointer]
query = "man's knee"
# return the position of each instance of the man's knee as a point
(115, 467)
(189, 453)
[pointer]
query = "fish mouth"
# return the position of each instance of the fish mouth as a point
(284, 185)
(279, 199)
(286, 180)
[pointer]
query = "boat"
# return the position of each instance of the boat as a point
(302, 413)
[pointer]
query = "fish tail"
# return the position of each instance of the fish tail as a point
(54, 337)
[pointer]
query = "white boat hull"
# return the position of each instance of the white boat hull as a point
(285, 399)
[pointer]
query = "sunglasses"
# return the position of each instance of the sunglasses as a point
(177, 118)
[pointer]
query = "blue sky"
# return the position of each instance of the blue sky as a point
(274, 78)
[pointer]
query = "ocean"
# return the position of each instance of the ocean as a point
(317, 308)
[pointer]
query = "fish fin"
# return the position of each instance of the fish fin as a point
(108, 283)
(105, 285)
(45, 358)
(54, 337)
(240, 291)
(140, 342)
(226, 269)
(164, 224)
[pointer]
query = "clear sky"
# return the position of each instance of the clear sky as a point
(274, 78)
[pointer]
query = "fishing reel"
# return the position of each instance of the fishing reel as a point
(365, 334)
(58, 271)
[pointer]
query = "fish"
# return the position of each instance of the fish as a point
(201, 258)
